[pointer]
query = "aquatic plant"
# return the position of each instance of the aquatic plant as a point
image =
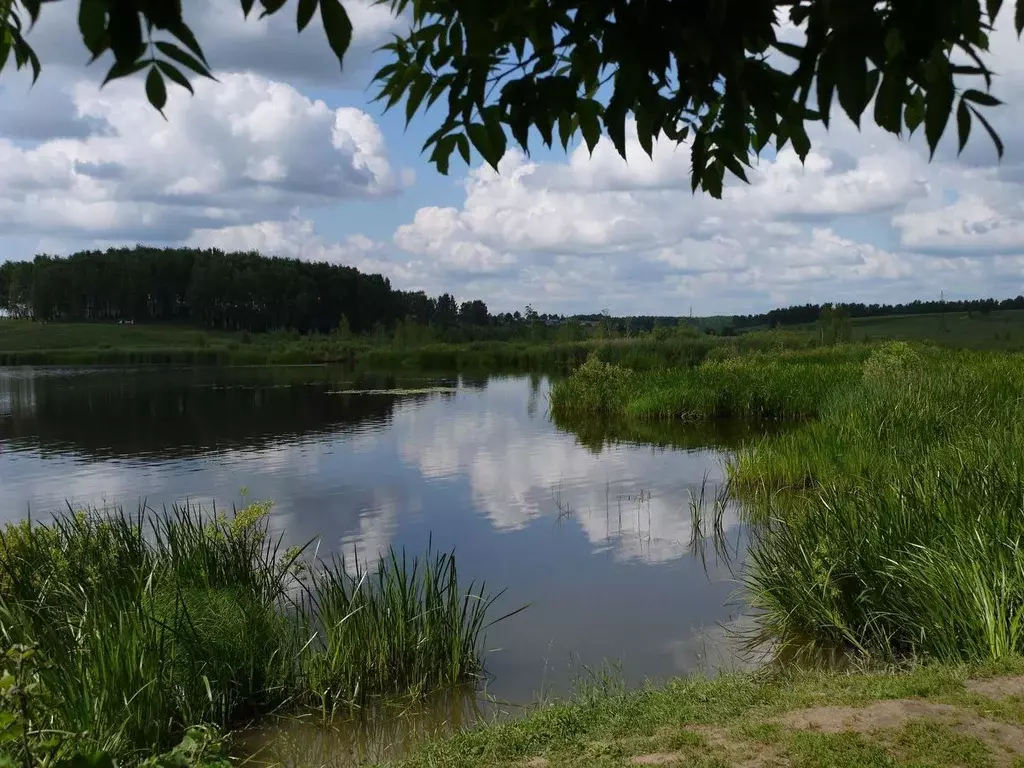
(154, 622)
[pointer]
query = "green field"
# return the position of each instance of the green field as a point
(1000, 329)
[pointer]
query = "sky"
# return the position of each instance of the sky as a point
(287, 155)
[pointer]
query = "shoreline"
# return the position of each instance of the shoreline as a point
(931, 714)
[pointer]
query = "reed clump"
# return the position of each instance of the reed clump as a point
(891, 525)
(755, 385)
(155, 622)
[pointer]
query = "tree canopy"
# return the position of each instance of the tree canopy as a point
(729, 76)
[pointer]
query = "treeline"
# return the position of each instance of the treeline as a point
(811, 313)
(221, 291)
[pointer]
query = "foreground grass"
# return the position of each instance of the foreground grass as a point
(140, 628)
(772, 718)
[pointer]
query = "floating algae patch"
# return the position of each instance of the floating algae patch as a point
(398, 391)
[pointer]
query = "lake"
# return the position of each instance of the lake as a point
(589, 525)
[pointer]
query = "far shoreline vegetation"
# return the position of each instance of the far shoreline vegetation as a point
(205, 307)
(880, 467)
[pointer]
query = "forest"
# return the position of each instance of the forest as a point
(211, 289)
(811, 313)
(217, 290)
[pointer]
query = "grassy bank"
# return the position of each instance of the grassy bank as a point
(140, 628)
(932, 715)
(888, 520)
(25, 342)
(726, 385)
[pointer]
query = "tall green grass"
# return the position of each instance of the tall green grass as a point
(154, 622)
(790, 384)
(892, 524)
(888, 517)
(927, 566)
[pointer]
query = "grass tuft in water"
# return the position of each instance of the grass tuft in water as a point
(154, 622)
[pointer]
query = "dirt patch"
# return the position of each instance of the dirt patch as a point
(1004, 741)
(997, 687)
(738, 753)
(874, 717)
(657, 758)
(535, 762)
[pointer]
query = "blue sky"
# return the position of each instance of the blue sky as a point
(288, 156)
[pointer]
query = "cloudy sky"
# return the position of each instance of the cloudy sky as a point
(287, 155)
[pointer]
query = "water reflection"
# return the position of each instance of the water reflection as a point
(176, 413)
(591, 524)
(374, 737)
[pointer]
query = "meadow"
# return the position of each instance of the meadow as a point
(25, 342)
(131, 634)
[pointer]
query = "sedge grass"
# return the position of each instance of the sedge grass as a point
(154, 622)
(892, 525)
(755, 386)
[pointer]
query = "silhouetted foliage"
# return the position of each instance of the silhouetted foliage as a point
(728, 77)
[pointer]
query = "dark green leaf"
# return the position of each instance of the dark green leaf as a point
(32, 6)
(938, 106)
(455, 38)
(6, 40)
(92, 23)
(615, 124)
(733, 164)
(1018, 24)
(481, 139)
(889, 103)
(117, 71)
(714, 176)
(698, 160)
(567, 125)
(980, 97)
(156, 89)
(963, 125)
(826, 84)
(416, 93)
(337, 26)
(182, 31)
(801, 142)
(247, 7)
(993, 6)
(162, 14)
(644, 130)
(496, 135)
(791, 50)
(439, 86)
(270, 7)
(171, 51)
(851, 83)
(304, 14)
(545, 127)
(172, 72)
(463, 144)
(871, 84)
(913, 112)
(125, 32)
(991, 132)
(442, 153)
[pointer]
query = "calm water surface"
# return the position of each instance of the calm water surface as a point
(592, 532)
